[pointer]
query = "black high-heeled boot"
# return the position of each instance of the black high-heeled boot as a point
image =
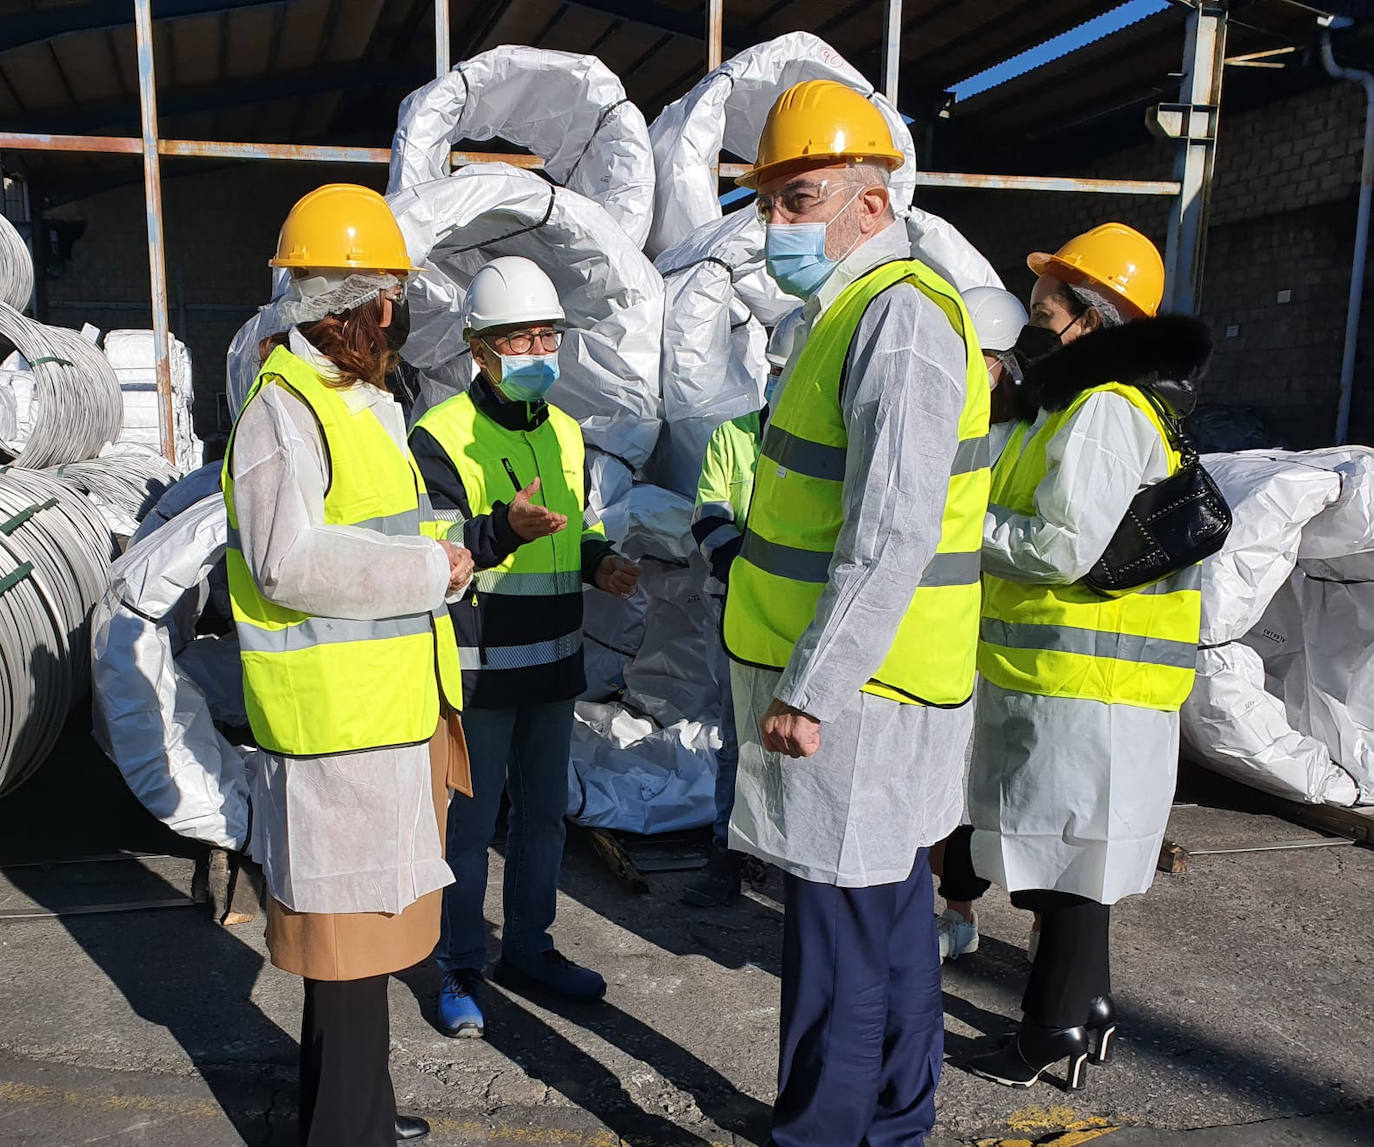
(1021, 1061)
(1101, 1027)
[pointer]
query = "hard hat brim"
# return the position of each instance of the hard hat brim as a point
(351, 266)
(756, 175)
(1043, 263)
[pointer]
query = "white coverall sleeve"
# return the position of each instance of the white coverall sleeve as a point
(901, 400)
(1097, 463)
(299, 562)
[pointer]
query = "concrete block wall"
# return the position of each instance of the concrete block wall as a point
(221, 228)
(1278, 253)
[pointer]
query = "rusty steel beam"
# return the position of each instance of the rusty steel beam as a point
(157, 241)
(715, 29)
(216, 149)
(975, 181)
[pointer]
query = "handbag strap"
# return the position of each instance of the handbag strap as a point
(1173, 428)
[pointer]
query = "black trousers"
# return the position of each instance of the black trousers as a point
(958, 881)
(346, 1096)
(1072, 964)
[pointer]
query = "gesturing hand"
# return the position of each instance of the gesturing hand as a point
(789, 731)
(459, 566)
(616, 576)
(532, 521)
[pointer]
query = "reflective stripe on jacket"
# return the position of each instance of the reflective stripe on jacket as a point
(316, 685)
(723, 493)
(797, 512)
(1137, 648)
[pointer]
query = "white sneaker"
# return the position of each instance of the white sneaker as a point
(957, 936)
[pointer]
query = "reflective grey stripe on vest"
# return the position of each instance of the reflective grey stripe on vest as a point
(328, 631)
(814, 567)
(802, 456)
(520, 656)
(406, 524)
(515, 584)
(972, 454)
(1090, 643)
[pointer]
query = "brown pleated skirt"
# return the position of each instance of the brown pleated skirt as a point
(354, 945)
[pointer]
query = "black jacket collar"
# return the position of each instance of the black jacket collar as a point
(511, 415)
(1166, 355)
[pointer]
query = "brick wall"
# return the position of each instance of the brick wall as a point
(1278, 255)
(221, 228)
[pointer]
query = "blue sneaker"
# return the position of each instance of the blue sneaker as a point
(460, 1016)
(549, 971)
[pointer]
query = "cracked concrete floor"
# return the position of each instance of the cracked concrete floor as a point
(1248, 1008)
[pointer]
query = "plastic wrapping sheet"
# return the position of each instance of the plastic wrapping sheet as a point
(569, 110)
(627, 773)
(198, 484)
(1239, 719)
(612, 296)
(150, 716)
(726, 111)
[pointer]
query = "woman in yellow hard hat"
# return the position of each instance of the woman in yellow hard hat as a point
(1076, 738)
(348, 656)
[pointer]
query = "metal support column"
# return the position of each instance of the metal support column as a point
(152, 195)
(1193, 122)
(715, 23)
(892, 49)
(441, 39)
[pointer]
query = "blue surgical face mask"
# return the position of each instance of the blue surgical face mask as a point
(528, 377)
(770, 388)
(795, 254)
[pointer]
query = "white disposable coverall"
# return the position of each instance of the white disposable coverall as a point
(352, 832)
(888, 778)
(1069, 794)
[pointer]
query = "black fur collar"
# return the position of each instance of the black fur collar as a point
(1165, 355)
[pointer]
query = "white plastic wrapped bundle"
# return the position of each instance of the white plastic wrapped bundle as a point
(569, 110)
(68, 399)
(1233, 721)
(133, 355)
(151, 716)
(726, 111)
(16, 267)
(611, 294)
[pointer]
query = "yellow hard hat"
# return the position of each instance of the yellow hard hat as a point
(1113, 256)
(342, 225)
(821, 120)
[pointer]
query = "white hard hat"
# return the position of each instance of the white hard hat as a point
(998, 317)
(783, 338)
(510, 289)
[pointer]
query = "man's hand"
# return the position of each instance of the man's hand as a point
(789, 731)
(616, 576)
(459, 566)
(531, 521)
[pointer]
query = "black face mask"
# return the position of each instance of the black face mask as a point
(399, 329)
(1034, 344)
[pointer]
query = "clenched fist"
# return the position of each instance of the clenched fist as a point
(616, 576)
(459, 566)
(789, 731)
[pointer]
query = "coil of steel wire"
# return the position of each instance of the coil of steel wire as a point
(78, 404)
(54, 560)
(16, 267)
(124, 486)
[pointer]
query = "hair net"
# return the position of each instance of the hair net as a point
(1090, 297)
(311, 297)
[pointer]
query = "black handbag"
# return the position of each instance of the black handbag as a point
(1170, 526)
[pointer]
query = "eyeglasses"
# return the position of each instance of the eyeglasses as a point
(523, 342)
(796, 198)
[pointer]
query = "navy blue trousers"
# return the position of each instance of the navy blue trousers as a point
(863, 1030)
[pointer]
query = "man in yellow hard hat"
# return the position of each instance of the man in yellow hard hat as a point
(1076, 744)
(852, 623)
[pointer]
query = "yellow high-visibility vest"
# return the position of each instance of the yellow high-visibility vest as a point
(797, 511)
(320, 685)
(1136, 648)
(542, 579)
